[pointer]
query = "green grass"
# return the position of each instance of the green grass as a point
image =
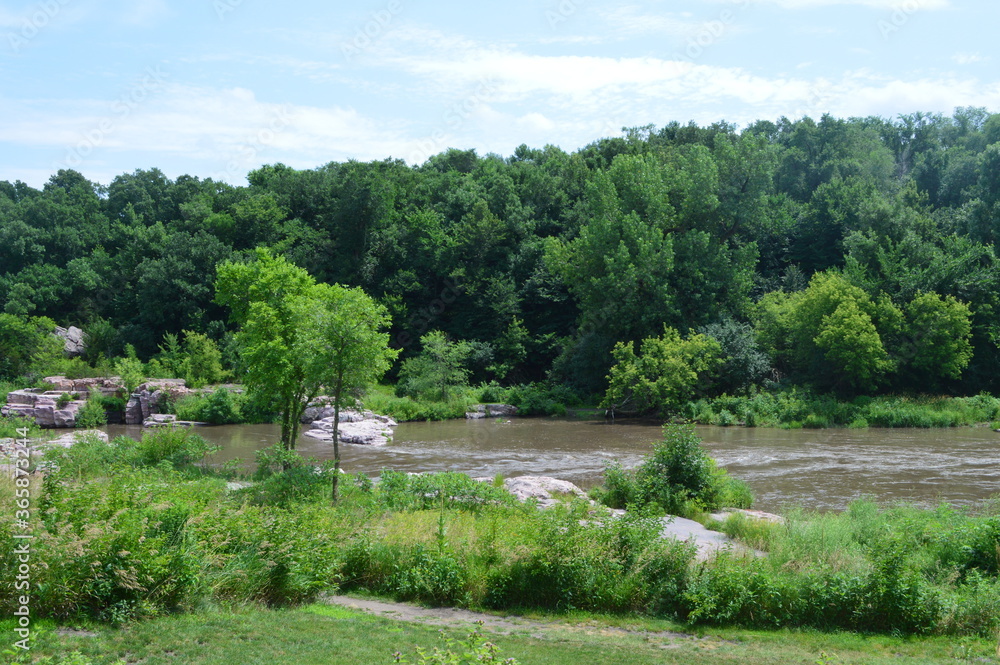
(324, 635)
(383, 400)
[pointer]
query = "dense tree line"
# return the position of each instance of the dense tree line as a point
(855, 255)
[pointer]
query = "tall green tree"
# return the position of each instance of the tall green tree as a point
(297, 338)
(343, 347)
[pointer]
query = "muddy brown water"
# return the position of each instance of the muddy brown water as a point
(819, 469)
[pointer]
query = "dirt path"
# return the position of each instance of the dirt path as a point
(449, 616)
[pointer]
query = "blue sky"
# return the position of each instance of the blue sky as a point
(215, 88)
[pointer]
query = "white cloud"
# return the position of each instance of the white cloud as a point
(634, 20)
(968, 58)
(635, 91)
(221, 133)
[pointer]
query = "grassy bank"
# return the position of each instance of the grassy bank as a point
(795, 409)
(134, 531)
(530, 399)
(323, 635)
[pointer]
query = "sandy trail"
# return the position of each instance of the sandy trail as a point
(454, 617)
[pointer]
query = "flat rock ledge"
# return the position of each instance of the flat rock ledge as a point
(8, 446)
(480, 411)
(358, 427)
(170, 420)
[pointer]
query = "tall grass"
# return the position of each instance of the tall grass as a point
(797, 408)
(134, 530)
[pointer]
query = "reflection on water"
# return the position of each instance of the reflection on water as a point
(822, 469)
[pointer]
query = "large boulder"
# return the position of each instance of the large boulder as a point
(153, 397)
(480, 411)
(74, 340)
(543, 489)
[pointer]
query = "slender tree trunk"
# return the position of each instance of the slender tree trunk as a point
(336, 437)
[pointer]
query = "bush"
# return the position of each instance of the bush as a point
(402, 491)
(179, 446)
(302, 482)
(542, 399)
(474, 649)
(679, 477)
(221, 407)
(91, 414)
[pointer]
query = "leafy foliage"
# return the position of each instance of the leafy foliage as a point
(667, 372)
(679, 478)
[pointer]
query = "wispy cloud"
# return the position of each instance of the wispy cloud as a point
(968, 58)
(208, 126)
(875, 4)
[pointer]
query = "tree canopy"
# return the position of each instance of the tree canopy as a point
(860, 252)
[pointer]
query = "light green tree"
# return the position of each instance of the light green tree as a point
(832, 333)
(130, 370)
(342, 347)
(666, 372)
(437, 371)
(849, 341)
(297, 337)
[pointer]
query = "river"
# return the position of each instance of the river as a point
(815, 469)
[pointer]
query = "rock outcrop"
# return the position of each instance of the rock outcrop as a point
(491, 411)
(358, 427)
(169, 420)
(152, 398)
(74, 340)
(48, 409)
(43, 406)
(544, 489)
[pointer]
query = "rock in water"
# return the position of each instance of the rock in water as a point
(363, 428)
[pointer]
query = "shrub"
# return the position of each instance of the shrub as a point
(679, 477)
(474, 649)
(302, 482)
(397, 490)
(12, 426)
(221, 407)
(178, 446)
(91, 414)
(541, 399)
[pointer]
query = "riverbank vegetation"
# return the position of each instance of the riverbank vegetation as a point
(840, 257)
(170, 536)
